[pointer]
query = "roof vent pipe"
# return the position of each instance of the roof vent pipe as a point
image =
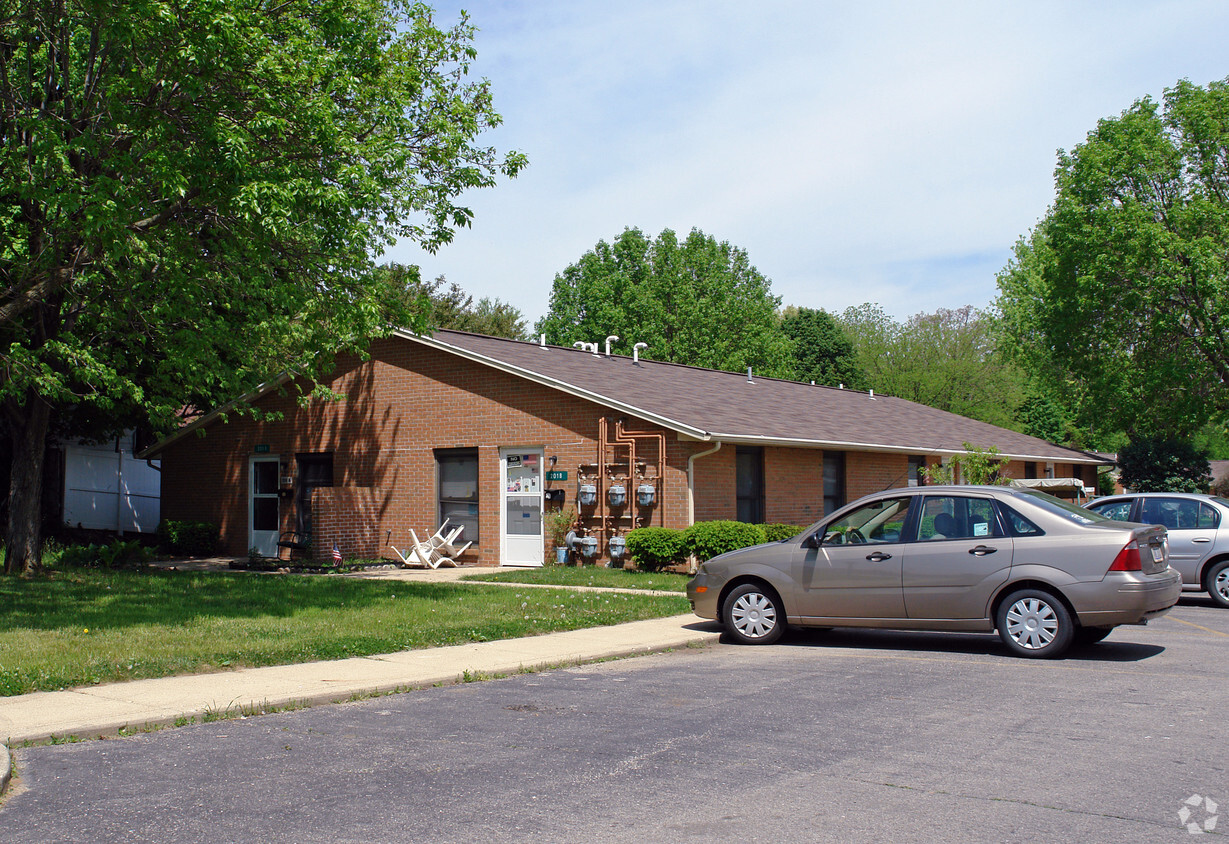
(872, 392)
(542, 341)
(748, 375)
(636, 352)
(610, 340)
(840, 386)
(580, 344)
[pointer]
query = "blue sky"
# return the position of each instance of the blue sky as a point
(887, 152)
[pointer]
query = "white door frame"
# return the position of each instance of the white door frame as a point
(264, 541)
(521, 549)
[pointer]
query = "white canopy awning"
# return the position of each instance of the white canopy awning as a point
(1052, 485)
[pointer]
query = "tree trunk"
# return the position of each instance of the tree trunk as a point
(23, 544)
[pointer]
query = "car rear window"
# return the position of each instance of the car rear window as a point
(1019, 525)
(1058, 507)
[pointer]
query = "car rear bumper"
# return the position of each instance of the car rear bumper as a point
(1135, 600)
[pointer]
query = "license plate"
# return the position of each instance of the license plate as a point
(1157, 554)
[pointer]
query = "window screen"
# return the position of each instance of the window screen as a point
(457, 471)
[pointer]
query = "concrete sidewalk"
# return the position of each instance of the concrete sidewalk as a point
(92, 711)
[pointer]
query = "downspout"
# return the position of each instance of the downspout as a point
(691, 482)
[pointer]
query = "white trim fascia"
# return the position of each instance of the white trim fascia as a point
(748, 439)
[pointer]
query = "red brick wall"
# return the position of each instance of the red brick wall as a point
(408, 400)
(399, 406)
(715, 494)
(793, 485)
(867, 472)
(348, 517)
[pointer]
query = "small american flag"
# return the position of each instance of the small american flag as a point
(336, 554)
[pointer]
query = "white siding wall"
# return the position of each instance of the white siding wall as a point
(105, 489)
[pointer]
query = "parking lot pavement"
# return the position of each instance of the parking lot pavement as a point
(845, 735)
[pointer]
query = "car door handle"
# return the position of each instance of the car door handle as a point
(878, 557)
(1201, 539)
(982, 550)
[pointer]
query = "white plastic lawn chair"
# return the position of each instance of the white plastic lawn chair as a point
(438, 549)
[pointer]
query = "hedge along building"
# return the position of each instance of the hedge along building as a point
(491, 433)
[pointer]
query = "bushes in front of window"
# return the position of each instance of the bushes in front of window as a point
(656, 548)
(778, 532)
(191, 539)
(706, 540)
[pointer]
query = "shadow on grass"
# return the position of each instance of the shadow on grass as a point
(97, 598)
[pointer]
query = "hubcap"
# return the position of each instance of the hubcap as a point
(1032, 623)
(753, 615)
(1222, 584)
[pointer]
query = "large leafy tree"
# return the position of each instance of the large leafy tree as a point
(822, 351)
(1159, 465)
(697, 301)
(191, 195)
(444, 304)
(948, 359)
(1119, 297)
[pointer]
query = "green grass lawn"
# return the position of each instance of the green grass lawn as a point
(79, 626)
(590, 576)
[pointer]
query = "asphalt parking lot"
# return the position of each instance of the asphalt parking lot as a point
(838, 736)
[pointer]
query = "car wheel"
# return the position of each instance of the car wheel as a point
(1034, 623)
(1217, 580)
(753, 615)
(1091, 635)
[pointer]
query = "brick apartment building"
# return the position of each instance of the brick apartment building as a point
(490, 434)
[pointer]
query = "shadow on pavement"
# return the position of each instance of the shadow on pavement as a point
(982, 644)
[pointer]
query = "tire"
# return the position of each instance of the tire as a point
(753, 615)
(1033, 623)
(1216, 580)
(1091, 635)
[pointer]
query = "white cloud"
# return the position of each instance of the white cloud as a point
(888, 152)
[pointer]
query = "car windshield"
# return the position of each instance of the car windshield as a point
(1058, 507)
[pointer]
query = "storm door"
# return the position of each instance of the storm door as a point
(263, 514)
(521, 514)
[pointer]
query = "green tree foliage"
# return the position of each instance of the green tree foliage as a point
(697, 302)
(444, 305)
(948, 359)
(822, 351)
(1156, 464)
(976, 466)
(1120, 295)
(191, 193)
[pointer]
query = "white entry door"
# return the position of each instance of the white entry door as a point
(520, 522)
(263, 516)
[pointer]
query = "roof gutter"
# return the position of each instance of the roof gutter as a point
(750, 439)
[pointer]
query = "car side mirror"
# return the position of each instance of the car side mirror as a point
(811, 541)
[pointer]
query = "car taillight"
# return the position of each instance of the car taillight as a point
(1128, 558)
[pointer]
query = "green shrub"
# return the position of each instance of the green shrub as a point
(113, 556)
(777, 532)
(655, 548)
(191, 539)
(708, 539)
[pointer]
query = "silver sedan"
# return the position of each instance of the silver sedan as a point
(1042, 572)
(1198, 528)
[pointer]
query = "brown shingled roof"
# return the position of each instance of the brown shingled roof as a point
(713, 405)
